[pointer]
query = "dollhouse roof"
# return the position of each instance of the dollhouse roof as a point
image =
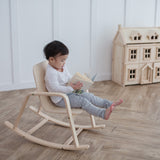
(137, 35)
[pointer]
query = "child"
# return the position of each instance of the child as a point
(57, 76)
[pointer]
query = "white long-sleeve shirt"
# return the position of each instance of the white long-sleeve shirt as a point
(56, 81)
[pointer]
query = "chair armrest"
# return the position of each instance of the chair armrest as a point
(49, 94)
(64, 96)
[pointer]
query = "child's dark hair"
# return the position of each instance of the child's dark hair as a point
(54, 48)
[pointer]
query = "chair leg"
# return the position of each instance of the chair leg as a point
(70, 140)
(92, 121)
(72, 126)
(21, 111)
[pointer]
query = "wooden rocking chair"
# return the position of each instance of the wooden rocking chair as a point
(46, 106)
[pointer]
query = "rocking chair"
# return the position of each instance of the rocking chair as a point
(46, 106)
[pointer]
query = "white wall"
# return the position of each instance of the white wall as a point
(87, 27)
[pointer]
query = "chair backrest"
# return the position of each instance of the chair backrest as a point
(39, 75)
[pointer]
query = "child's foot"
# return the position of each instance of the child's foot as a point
(110, 109)
(108, 113)
(117, 103)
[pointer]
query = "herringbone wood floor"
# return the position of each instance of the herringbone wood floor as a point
(131, 133)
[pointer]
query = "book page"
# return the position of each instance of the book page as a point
(78, 77)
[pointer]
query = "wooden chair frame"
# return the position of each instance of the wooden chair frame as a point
(76, 129)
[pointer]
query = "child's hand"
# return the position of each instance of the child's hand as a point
(76, 86)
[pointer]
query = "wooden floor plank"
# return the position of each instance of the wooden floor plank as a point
(132, 132)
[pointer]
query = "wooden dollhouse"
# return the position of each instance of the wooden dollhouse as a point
(136, 56)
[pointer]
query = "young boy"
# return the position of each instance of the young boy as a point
(57, 76)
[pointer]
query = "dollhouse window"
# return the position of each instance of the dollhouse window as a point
(153, 36)
(158, 72)
(137, 38)
(133, 54)
(147, 53)
(158, 52)
(132, 74)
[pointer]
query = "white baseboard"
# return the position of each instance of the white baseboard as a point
(9, 87)
(25, 85)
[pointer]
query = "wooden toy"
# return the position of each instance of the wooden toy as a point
(136, 56)
(47, 111)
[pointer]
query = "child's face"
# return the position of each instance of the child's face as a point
(58, 61)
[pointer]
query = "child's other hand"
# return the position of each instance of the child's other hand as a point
(76, 86)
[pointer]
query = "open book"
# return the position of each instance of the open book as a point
(87, 82)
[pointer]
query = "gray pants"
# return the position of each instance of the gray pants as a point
(88, 102)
